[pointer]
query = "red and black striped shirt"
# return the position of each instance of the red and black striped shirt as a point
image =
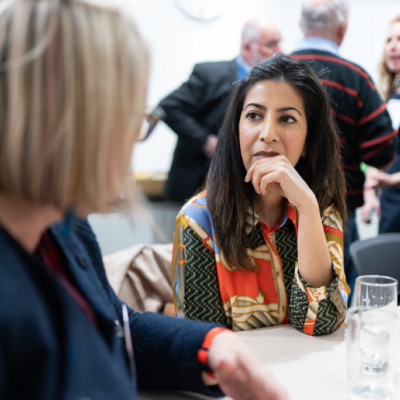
(363, 123)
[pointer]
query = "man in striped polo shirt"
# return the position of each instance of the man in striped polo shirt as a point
(363, 123)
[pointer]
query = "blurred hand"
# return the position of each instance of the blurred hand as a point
(239, 373)
(210, 145)
(371, 204)
(371, 177)
(376, 179)
(384, 180)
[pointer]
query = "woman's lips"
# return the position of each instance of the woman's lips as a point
(394, 58)
(266, 154)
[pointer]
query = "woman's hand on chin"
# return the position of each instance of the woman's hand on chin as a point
(282, 176)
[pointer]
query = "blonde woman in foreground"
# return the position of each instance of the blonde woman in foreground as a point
(73, 81)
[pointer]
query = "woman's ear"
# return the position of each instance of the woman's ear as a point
(304, 153)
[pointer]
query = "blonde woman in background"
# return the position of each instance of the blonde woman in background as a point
(389, 70)
(389, 207)
(73, 82)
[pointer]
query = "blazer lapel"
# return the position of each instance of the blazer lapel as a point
(81, 266)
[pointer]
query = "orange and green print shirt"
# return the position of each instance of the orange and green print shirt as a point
(207, 288)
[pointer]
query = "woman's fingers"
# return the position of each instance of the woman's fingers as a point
(264, 167)
(264, 164)
(277, 173)
(282, 177)
(270, 178)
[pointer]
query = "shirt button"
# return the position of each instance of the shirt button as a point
(278, 274)
(316, 293)
(283, 308)
(83, 261)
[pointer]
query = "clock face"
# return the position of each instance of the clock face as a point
(202, 10)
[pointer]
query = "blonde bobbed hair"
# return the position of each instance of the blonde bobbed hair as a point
(386, 77)
(73, 82)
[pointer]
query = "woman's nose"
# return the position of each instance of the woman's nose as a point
(391, 44)
(268, 132)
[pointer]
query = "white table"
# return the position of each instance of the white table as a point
(308, 367)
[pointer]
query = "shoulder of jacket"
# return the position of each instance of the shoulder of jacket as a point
(215, 69)
(197, 209)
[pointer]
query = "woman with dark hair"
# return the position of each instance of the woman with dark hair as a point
(263, 245)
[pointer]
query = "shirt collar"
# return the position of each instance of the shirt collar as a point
(243, 69)
(317, 43)
(252, 219)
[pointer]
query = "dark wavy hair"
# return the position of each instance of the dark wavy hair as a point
(228, 196)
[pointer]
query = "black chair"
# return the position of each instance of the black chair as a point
(377, 256)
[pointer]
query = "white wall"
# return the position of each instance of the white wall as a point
(177, 42)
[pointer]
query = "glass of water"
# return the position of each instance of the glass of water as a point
(376, 291)
(371, 336)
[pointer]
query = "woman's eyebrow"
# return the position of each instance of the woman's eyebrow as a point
(255, 105)
(283, 109)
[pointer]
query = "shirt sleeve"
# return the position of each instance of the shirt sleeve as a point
(184, 106)
(376, 139)
(322, 310)
(194, 274)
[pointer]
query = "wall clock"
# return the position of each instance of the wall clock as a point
(202, 10)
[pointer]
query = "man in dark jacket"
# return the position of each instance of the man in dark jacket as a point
(195, 111)
(363, 123)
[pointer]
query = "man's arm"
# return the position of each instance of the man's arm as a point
(186, 107)
(376, 139)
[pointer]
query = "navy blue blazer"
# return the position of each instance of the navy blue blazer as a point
(50, 350)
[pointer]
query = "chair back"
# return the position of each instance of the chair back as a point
(377, 256)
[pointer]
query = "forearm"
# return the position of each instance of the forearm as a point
(317, 311)
(185, 110)
(318, 308)
(187, 127)
(315, 265)
(166, 353)
(394, 179)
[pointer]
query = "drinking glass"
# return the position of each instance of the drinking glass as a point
(371, 337)
(376, 291)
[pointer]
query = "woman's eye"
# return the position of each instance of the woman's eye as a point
(288, 120)
(253, 116)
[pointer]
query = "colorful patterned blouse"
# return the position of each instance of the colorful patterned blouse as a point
(207, 288)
